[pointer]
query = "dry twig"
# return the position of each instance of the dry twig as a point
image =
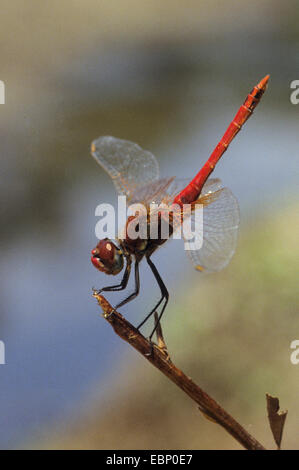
(158, 357)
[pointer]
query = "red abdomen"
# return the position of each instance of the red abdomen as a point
(193, 190)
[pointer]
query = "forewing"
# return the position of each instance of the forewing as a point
(129, 166)
(163, 191)
(211, 186)
(178, 184)
(154, 192)
(174, 187)
(220, 230)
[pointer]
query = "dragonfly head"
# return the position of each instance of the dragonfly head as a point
(107, 257)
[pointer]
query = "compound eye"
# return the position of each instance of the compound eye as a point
(107, 250)
(107, 257)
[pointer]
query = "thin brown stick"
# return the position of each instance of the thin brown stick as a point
(158, 358)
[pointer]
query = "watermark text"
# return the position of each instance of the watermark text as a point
(294, 358)
(158, 221)
(294, 97)
(2, 353)
(2, 92)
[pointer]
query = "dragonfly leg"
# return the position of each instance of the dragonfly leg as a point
(160, 316)
(151, 313)
(164, 296)
(124, 282)
(136, 291)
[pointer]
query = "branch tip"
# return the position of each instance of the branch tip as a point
(158, 356)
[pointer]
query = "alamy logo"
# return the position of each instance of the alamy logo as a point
(294, 97)
(2, 92)
(2, 353)
(295, 354)
(164, 222)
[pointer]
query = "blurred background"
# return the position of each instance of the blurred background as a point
(169, 75)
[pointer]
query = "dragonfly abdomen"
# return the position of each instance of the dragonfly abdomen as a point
(193, 190)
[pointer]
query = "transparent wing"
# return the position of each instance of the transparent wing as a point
(219, 231)
(154, 197)
(212, 185)
(161, 191)
(155, 191)
(164, 190)
(129, 166)
(178, 184)
(175, 187)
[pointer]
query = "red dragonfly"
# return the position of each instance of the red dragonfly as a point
(135, 174)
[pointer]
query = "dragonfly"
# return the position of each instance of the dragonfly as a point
(135, 174)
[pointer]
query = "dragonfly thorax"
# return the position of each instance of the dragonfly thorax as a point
(141, 238)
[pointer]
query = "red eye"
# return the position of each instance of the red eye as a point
(106, 250)
(107, 257)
